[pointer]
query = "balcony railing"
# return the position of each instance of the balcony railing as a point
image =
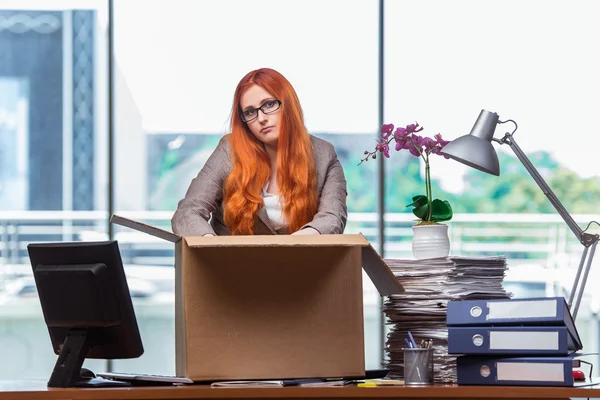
(538, 247)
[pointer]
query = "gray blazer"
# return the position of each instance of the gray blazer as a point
(204, 197)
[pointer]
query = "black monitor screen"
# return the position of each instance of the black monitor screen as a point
(86, 304)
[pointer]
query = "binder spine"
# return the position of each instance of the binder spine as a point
(511, 311)
(545, 311)
(509, 340)
(515, 371)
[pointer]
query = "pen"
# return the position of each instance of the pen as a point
(412, 340)
(408, 344)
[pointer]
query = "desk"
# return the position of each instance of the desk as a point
(22, 390)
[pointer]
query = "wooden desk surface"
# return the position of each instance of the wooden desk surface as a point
(17, 390)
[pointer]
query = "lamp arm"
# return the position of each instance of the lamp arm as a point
(586, 239)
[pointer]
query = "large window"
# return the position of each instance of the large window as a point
(176, 71)
(445, 61)
(176, 66)
(52, 156)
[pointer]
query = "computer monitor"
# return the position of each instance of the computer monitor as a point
(87, 307)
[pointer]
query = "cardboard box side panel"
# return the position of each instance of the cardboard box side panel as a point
(273, 313)
(180, 328)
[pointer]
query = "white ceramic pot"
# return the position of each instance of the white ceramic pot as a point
(430, 241)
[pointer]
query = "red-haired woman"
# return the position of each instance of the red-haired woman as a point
(268, 176)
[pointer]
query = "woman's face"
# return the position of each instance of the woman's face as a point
(265, 127)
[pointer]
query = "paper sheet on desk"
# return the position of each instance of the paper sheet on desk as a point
(284, 382)
(588, 382)
(247, 384)
(327, 383)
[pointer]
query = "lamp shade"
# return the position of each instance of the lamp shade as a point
(476, 149)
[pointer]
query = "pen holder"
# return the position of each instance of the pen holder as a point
(418, 366)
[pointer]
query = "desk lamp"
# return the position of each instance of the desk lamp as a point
(476, 151)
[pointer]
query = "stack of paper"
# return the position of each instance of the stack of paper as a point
(477, 278)
(429, 285)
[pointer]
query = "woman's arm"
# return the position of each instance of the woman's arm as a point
(203, 195)
(332, 214)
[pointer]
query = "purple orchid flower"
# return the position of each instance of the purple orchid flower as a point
(414, 128)
(403, 144)
(430, 144)
(407, 138)
(440, 143)
(400, 134)
(416, 147)
(386, 130)
(383, 146)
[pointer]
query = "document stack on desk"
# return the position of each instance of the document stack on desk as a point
(526, 342)
(477, 278)
(430, 284)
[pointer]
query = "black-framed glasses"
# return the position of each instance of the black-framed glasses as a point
(268, 107)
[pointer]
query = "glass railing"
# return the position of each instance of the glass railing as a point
(539, 247)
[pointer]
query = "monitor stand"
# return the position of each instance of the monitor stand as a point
(67, 370)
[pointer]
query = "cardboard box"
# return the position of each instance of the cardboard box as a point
(271, 307)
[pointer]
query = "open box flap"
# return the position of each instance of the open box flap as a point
(141, 227)
(375, 267)
(382, 277)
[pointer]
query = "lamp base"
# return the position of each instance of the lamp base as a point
(430, 241)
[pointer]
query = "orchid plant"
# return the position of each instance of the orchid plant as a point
(427, 209)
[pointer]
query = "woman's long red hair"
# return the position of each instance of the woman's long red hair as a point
(296, 172)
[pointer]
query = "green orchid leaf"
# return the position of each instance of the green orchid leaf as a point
(421, 206)
(440, 210)
(421, 212)
(418, 201)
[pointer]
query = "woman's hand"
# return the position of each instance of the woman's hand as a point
(307, 231)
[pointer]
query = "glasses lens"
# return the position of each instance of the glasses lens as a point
(270, 106)
(249, 115)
